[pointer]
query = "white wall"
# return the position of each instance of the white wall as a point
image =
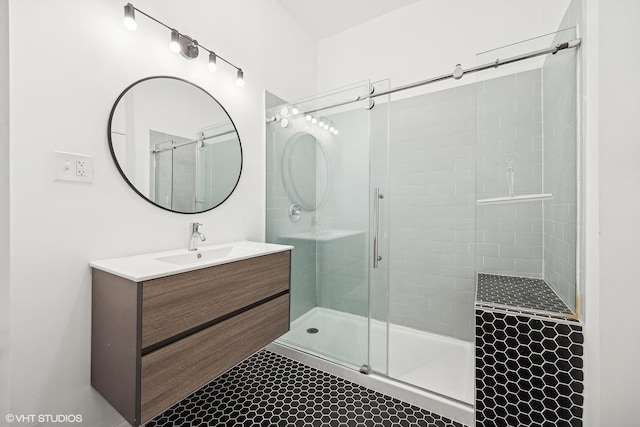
(4, 207)
(428, 38)
(68, 63)
(619, 149)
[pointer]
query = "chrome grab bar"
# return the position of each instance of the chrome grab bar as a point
(376, 226)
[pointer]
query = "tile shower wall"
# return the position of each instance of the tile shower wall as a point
(431, 212)
(330, 259)
(342, 280)
(509, 134)
(342, 274)
(279, 228)
(560, 173)
(434, 143)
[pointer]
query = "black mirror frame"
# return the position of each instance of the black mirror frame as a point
(124, 176)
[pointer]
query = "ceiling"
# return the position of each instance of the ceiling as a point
(328, 17)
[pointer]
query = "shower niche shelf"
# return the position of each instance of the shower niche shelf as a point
(515, 199)
(324, 235)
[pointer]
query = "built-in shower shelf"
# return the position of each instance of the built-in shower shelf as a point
(515, 199)
(324, 235)
(520, 293)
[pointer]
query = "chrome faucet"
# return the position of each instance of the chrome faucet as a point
(195, 235)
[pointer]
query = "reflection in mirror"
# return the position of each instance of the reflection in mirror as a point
(175, 145)
(305, 171)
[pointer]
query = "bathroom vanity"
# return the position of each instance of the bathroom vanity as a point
(164, 325)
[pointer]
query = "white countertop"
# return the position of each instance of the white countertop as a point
(148, 266)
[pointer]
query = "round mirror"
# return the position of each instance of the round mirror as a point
(175, 145)
(305, 171)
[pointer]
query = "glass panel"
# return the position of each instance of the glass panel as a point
(379, 276)
(526, 178)
(162, 180)
(174, 173)
(217, 158)
(318, 201)
(431, 238)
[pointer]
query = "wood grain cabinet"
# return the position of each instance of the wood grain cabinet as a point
(155, 342)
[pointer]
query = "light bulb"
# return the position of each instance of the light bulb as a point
(213, 66)
(321, 123)
(331, 129)
(240, 78)
(175, 42)
(308, 117)
(326, 126)
(335, 132)
(129, 17)
(314, 120)
(294, 110)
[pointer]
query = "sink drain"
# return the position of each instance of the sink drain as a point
(312, 331)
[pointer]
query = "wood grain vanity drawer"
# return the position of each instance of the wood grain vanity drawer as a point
(177, 370)
(174, 304)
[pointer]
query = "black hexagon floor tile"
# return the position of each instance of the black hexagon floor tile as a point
(518, 292)
(529, 371)
(271, 390)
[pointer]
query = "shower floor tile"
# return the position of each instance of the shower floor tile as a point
(519, 292)
(271, 390)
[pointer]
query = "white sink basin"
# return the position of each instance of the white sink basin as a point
(204, 255)
(139, 268)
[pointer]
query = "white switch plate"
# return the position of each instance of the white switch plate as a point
(74, 167)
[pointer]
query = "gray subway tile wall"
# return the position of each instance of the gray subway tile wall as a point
(431, 232)
(509, 134)
(342, 273)
(449, 148)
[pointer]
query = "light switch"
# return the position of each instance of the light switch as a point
(74, 167)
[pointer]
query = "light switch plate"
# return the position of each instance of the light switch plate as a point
(74, 167)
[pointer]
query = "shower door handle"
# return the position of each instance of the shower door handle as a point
(377, 196)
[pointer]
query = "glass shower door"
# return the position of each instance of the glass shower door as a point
(318, 195)
(431, 238)
(379, 256)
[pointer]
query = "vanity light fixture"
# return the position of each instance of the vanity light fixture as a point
(240, 78)
(130, 17)
(174, 45)
(213, 63)
(180, 43)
